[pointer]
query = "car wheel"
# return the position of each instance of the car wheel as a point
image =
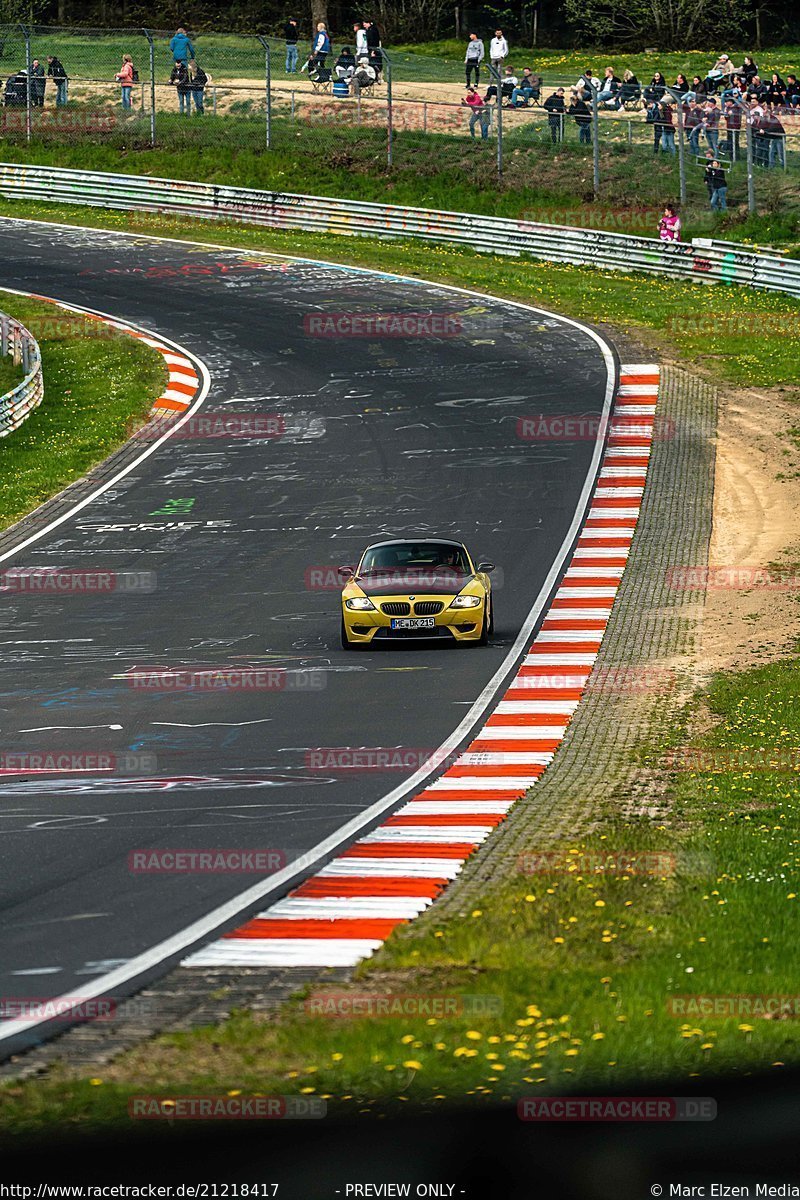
(484, 638)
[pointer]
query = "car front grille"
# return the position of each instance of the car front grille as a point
(428, 608)
(396, 608)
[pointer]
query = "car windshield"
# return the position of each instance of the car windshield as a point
(415, 556)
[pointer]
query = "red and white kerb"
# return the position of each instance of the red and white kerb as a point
(346, 911)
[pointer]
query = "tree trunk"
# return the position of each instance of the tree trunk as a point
(319, 12)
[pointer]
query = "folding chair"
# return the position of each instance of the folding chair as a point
(321, 80)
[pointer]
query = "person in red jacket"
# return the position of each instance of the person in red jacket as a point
(479, 112)
(125, 77)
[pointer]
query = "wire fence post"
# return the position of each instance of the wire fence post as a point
(389, 109)
(676, 95)
(267, 89)
(494, 74)
(748, 136)
(28, 98)
(595, 140)
(152, 55)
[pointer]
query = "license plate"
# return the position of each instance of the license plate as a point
(413, 622)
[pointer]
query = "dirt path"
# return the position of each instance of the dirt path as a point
(755, 523)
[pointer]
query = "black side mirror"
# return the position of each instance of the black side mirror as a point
(346, 571)
(487, 567)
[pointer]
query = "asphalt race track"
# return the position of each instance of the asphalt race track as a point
(379, 437)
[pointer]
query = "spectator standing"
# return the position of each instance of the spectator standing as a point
(760, 138)
(362, 49)
(717, 185)
(125, 77)
(579, 109)
(373, 36)
(711, 121)
(291, 32)
(198, 81)
(651, 116)
(775, 134)
(473, 58)
(733, 125)
(38, 84)
(180, 46)
(669, 227)
(693, 125)
(322, 45)
(479, 113)
(179, 79)
(555, 107)
(665, 124)
(498, 49)
(55, 69)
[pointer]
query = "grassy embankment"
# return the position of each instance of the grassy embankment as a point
(97, 384)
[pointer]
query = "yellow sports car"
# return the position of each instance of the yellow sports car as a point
(413, 590)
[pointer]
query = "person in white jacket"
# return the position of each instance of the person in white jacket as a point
(362, 49)
(498, 49)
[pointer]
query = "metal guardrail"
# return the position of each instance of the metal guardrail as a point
(702, 260)
(21, 345)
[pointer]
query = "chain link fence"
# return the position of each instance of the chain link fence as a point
(224, 93)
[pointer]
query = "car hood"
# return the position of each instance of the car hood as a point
(422, 583)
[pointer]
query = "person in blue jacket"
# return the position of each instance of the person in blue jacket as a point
(180, 46)
(322, 44)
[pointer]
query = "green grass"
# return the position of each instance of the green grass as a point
(755, 340)
(582, 962)
(97, 386)
(440, 171)
(10, 375)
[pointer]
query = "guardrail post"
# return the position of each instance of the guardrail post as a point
(28, 115)
(267, 89)
(4, 335)
(152, 53)
(595, 140)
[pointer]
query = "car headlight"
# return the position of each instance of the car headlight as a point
(359, 603)
(466, 602)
